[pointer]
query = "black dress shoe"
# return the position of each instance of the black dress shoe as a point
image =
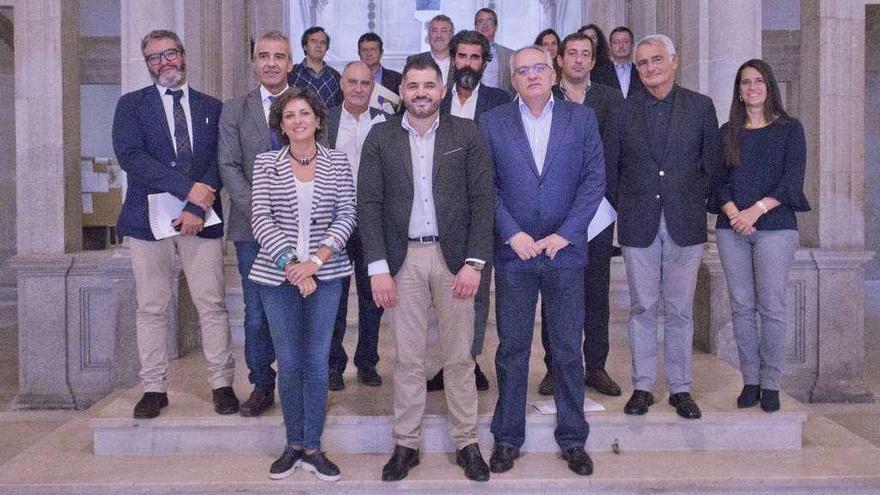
(685, 406)
(599, 380)
(435, 384)
(336, 382)
(769, 400)
(475, 468)
(369, 377)
(402, 460)
(259, 400)
(616, 251)
(481, 381)
(749, 396)
(546, 386)
(285, 465)
(225, 401)
(579, 461)
(150, 405)
(323, 468)
(639, 403)
(502, 458)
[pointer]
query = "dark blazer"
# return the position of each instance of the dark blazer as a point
(563, 199)
(391, 79)
(604, 101)
(463, 195)
(677, 183)
(450, 77)
(333, 116)
(143, 145)
(244, 134)
(487, 99)
(606, 74)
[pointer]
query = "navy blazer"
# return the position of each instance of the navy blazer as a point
(143, 145)
(563, 199)
(607, 74)
(487, 99)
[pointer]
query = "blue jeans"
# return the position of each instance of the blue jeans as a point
(301, 330)
(756, 268)
(258, 351)
(516, 297)
(369, 315)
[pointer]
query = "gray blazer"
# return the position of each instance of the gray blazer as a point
(503, 54)
(464, 195)
(244, 134)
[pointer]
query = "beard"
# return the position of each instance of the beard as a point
(424, 111)
(467, 78)
(170, 79)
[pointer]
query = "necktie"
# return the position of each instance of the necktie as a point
(273, 134)
(181, 132)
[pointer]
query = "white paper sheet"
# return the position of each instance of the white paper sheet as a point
(88, 207)
(605, 216)
(164, 208)
(549, 406)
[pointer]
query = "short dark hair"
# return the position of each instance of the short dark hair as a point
(622, 29)
(577, 36)
(310, 31)
(367, 37)
(422, 63)
(467, 37)
(487, 10)
(161, 34)
(540, 38)
(307, 95)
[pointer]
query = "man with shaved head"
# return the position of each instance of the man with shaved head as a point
(347, 128)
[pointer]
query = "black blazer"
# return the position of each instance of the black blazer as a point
(677, 183)
(606, 74)
(464, 197)
(333, 116)
(391, 80)
(487, 99)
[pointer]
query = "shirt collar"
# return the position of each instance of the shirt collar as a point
(548, 108)
(346, 115)
(265, 93)
(474, 93)
(565, 91)
(184, 87)
(409, 128)
(653, 100)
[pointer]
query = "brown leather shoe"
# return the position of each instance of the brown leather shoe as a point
(599, 380)
(546, 386)
(259, 400)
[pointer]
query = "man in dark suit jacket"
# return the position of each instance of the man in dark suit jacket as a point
(468, 99)
(621, 73)
(370, 50)
(244, 133)
(165, 137)
(549, 179)
(577, 56)
(425, 206)
(347, 127)
(440, 31)
(665, 144)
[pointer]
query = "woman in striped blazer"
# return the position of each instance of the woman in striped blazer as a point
(303, 199)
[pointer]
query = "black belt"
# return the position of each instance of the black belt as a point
(428, 239)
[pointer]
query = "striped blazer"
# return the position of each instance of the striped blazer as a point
(275, 217)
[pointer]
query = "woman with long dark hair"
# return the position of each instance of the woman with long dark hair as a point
(756, 197)
(602, 52)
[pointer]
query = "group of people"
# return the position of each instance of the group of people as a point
(418, 184)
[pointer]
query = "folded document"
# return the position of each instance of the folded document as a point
(165, 208)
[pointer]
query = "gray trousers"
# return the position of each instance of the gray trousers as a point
(756, 267)
(664, 270)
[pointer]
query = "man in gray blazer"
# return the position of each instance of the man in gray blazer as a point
(440, 31)
(497, 72)
(425, 209)
(244, 133)
(666, 145)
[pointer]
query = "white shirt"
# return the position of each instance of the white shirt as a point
(267, 103)
(444, 66)
(537, 130)
(351, 135)
(168, 105)
(491, 74)
(624, 73)
(304, 193)
(469, 108)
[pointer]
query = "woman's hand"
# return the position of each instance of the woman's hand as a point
(307, 286)
(302, 271)
(744, 222)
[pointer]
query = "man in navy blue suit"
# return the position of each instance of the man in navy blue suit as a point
(165, 137)
(549, 179)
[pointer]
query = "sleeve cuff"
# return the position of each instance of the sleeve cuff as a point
(378, 267)
(195, 210)
(478, 260)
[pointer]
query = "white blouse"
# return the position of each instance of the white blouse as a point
(304, 192)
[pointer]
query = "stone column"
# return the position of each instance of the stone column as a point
(48, 196)
(605, 14)
(641, 17)
(833, 114)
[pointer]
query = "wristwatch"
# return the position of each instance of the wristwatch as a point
(476, 265)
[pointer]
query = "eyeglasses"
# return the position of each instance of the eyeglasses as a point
(537, 69)
(485, 22)
(156, 58)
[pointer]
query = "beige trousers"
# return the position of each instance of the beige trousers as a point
(424, 280)
(153, 266)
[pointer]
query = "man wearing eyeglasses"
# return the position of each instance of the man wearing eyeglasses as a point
(549, 179)
(496, 73)
(165, 137)
(440, 31)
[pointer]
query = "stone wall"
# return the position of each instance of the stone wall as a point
(7, 147)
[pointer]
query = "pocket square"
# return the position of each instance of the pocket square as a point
(452, 151)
